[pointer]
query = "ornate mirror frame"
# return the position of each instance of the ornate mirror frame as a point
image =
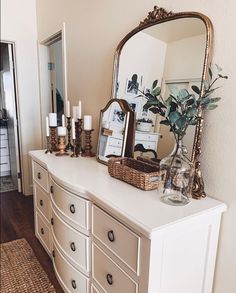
(157, 16)
(128, 139)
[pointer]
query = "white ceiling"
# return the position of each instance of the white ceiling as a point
(177, 29)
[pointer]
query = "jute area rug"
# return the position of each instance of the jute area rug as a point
(20, 270)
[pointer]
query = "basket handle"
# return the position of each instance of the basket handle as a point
(119, 159)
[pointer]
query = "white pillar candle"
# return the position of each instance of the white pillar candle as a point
(75, 112)
(47, 126)
(80, 110)
(68, 109)
(87, 122)
(52, 119)
(61, 131)
(63, 120)
(73, 128)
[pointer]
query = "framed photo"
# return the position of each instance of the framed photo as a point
(132, 85)
(118, 116)
(133, 106)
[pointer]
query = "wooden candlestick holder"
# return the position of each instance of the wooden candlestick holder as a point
(53, 138)
(48, 150)
(88, 144)
(69, 145)
(74, 154)
(78, 136)
(62, 146)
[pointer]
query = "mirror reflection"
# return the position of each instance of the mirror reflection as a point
(113, 131)
(166, 55)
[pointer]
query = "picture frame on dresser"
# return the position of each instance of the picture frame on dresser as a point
(116, 131)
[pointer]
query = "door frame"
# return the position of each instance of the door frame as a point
(45, 88)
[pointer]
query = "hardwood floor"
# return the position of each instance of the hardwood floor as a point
(17, 221)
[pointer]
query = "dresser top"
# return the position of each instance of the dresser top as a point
(139, 209)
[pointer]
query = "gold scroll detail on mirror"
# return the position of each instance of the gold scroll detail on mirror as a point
(158, 13)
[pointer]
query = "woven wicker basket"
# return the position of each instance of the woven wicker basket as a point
(135, 172)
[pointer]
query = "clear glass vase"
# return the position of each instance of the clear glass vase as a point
(177, 176)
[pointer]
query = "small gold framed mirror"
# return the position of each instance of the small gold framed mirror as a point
(116, 131)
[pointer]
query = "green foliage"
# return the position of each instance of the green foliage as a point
(181, 108)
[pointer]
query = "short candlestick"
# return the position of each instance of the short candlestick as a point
(88, 144)
(62, 146)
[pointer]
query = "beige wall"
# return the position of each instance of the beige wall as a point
(18, 25)
(94, 28)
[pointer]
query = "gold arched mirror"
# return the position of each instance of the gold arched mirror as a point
(116, 131)
(171, 50)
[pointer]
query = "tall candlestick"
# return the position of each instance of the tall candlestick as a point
(68, 109)
(87, 122)
(63, 120)
(47, 126)
(78, 136)
(73, 128)
(53, 138)
(79, 110)
(69, 146)
(52, 119)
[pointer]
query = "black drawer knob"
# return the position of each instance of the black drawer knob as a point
(109, 279)
(42, 231)
(51, 189)
(52, 221)
(72, 208)
(73, 284)
(53, 253)
(72, 246)
(41, 202)
(39, 175)
(111, 236)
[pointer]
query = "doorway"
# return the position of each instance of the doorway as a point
(55, 68)
(10, 167)
(53, 77)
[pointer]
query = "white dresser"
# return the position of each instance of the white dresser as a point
(5, 167)
(108, 236)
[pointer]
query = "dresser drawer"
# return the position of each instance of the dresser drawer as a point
(3, 133)
(74, 244)
(146, 144)
(40, 175)
(110, 277)
(5, 164)
(72, 280)
(4, 149)
(73, 207)
(43, 232)
(120, 240)
(146, 136)
(94, 290)
(116, 142)
(42, 201)
(111, 150)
